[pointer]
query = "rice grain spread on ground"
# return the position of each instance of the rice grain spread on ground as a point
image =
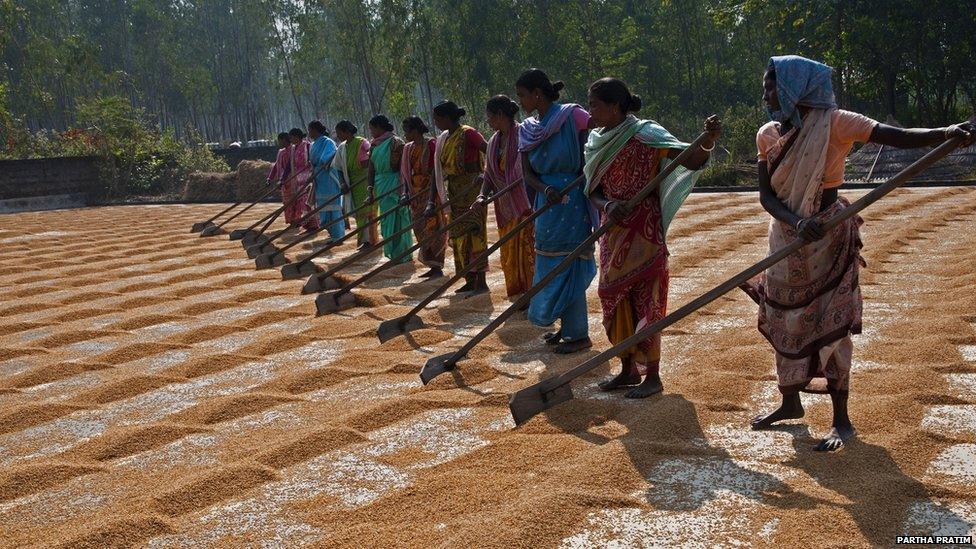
(158, 391)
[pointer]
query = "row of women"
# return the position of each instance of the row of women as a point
(810, 304)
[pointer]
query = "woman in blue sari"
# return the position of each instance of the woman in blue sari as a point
(327, 186)
(551, 145)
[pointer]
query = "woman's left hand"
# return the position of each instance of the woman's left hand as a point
(713, 126)
(966, 130)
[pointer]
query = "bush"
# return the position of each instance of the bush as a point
(139, 159)
(726, 174)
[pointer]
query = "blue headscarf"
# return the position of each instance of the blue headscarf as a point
(800, 82)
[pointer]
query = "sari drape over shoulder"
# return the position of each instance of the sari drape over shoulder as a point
(634, 274)
(302, 170)
(459, 162)
(416, 170)
(810, 303)
(351, 161)
(503, 167)
(386, 154)
(553, 147)
(322, 154)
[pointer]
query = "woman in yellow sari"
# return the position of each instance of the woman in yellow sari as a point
(458, 164)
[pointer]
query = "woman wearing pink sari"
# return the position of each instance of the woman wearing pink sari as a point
(281, 168)
(810, 303)
(302, 170)
(502, 168)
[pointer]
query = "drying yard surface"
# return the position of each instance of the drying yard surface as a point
(156, 390)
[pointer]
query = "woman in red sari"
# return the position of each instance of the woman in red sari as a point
(622, 156)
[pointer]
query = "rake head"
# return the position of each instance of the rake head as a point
(269, 260)
(298, 269)
(197, 227)
(334, 301)
(438, 365)
(318, 283)
(212, 230)
(238, 234)
(390, 329)
(258, 249)
(535, 399)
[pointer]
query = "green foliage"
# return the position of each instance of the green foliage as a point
(139, 160)
(239, 69)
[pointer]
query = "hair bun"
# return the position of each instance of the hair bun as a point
(461, 112)
(635, 103)
(558, 85)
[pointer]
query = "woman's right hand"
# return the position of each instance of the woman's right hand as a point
(966, 130)
(553, 196)
(810, 229)
(617, 211)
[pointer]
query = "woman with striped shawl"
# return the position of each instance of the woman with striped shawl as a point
(384, 175)
(623, 154)
(352, 161)
(503, 168)
(416, 173)
(810, 303)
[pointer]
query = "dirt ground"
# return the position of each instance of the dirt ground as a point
(156, 390)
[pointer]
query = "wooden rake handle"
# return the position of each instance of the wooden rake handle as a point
(584, 247)
(311, 234)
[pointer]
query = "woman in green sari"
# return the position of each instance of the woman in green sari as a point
(352, 161)
(384, 175)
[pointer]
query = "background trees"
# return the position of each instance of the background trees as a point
(245, 69)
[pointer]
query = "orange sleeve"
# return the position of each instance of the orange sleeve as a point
(766, 137)
(852, 127)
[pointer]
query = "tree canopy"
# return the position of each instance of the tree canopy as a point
(246, 69)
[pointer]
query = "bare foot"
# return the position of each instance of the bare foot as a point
(570, 347)
(552, 338)
(619, 381)
(790, 409)
(836, 438)
(651, 386)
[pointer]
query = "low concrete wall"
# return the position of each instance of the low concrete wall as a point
(47, 183)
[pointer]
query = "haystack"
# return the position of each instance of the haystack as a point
(252, 176)
(244, 184)
(209, 187)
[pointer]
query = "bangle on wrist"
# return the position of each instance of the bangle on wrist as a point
(712, 148)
